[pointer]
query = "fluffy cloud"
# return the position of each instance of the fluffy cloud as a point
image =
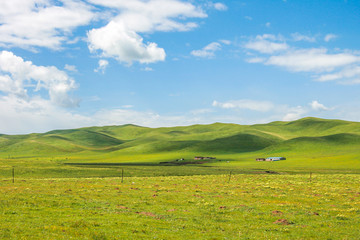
(315, 105)
(41, 23)
(293, 113)
(124, 45)
(70, 68)
(18, 76)
(218, 6)
(342, 66)
(47, 23)
(102, 66)
(120, 38)
(262, 106)
(266, 43)
(207, 51)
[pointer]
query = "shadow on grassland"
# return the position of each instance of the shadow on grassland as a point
(111, 164)
(171, 168)
(168, 163)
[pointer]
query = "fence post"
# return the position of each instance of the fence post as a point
(122, 175)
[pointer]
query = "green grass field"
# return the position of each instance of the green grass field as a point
(241, 206)
(68, 183)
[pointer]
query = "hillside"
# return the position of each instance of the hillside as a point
(304, 137)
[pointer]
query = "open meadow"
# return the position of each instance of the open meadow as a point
(129, 182)
(241, 206)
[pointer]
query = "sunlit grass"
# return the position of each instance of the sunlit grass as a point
(68, 184)
(179, 207)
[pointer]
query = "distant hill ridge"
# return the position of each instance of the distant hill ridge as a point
(310, 134)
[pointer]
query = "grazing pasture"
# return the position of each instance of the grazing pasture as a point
(246, 206)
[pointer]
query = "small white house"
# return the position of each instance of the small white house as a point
(275, 158)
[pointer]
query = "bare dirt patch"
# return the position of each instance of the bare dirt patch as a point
(277, 213)
(283, 222)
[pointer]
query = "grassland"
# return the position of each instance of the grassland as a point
(244, 206)
(68, 183)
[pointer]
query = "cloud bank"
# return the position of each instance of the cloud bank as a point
(41, 23)
(17, 77)
(120, 38)
(324, 64)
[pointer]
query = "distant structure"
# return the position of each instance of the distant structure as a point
(275, 158)
(204, 158)
(270, 159)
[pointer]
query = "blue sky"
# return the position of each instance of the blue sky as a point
(77, 63)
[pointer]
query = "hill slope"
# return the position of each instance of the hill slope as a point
(305, 136)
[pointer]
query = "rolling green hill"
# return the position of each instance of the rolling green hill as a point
(307, 138)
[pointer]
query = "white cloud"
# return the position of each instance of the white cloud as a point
(208, 51)
(329, 37)
(347, 74)
(268, 24)
(70, 68)
(295, 113)
(40, 115)
(262, 106)
(266, 44)
(342, 66)
(219, 6)
(312, 60)
(265, 111)
(41, 23)
(120, 38)
(102, 66)
(226, 42)
(300, 37)
(315, 105)
(124, 45)
(248, 18)
(18, 76)
(35, 115)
